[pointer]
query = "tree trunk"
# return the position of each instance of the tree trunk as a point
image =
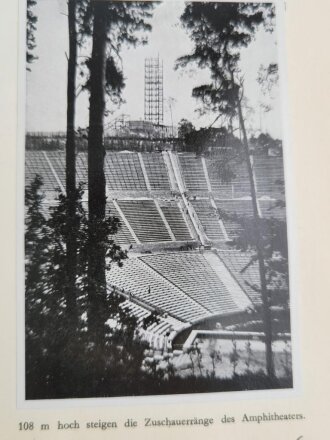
(96, 177)
(260, 252)
(71, 168)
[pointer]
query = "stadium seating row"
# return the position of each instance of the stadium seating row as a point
(184, 287)
(138, 280)
(176, 221)
(148, 225)
(145, 220)
(179, 285)
(159, 333)
(124, 172)
(123, 235)
(156, 171)
(238, 263)
(209, 218)
(191, 273)
(193, 173)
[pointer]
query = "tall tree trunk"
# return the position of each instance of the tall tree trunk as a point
(71, 168)
(96, 177)
(259, 246)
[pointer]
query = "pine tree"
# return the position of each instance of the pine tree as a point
(113, 24)
(219, 31)
(70, 165)
(60, 360)
(36, 262)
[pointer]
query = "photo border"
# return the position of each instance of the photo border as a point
(159, 399)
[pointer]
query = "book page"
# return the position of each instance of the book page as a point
(186, 293)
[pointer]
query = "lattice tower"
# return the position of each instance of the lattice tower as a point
(153, 90)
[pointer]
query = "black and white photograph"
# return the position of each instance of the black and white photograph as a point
(155, 220)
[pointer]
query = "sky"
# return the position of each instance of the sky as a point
(46, 83)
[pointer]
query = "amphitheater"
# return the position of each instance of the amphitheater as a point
(180, 260)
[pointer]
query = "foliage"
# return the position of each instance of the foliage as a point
(153, 318)
(63, 361)
(249, 352)
(127, 23)
(110, 25)
(287, 360)
(268, 77)
(263, 143)
(273, 233)
(215, 355)
(31, 27)
(219, 31)
(154, 371)
(115, 81)
(58, 354)
(146, 385)
(184, 128)
(195, 355)
(234, 357)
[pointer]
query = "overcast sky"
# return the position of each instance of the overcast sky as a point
(46, 83)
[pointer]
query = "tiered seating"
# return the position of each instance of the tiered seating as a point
(165, 327)
(236, 187)
(270, 209)
(123, 172)
(147, 286)
(176, 221)
(123, 236)
(145, 220)
(155, 333)
(135, 310)
(244, 209)
(141, 313)
(269, 175)
(241, 208)
(222, 189)
(191, 273)
(268, 171)
(82, 169)
(236, 261)
(36, 163)
(233, 228)
(242, 182)
(209, 218)
(193, 173)
(156, 171)
(57, 159)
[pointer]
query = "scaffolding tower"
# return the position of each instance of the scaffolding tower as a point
(153, 91)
